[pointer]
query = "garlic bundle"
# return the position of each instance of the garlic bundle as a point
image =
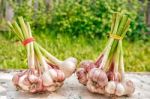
(106, 74)
(117, 84)
(45, 72)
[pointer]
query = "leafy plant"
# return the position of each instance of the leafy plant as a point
(92, 17)
(35, 11)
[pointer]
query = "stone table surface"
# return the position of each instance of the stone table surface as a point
(72, 89)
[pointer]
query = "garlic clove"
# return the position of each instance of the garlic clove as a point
(53, 74)
(103, 81)
(120, 90)
(24, 83)
(39, 85)
(110, 87)
(87, 65)
(94, 89)
(33, 88)
(60, 76)
(82, 76)
(32, 75)
(90, 86)
(93, 74)
(98, 76)
(68, 67)
(32, 78)
(47, 79)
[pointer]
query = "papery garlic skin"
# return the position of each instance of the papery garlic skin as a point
(120, 90)
(32, 75)
(110, 87)
(33, 78)
(24, 83)
(39, 85)
(82, 76)
(53, 74)
(60, 76)
(87, 65)
(33, 88)
(72, 59)
(68, 66)
(98, 76)
(92, 88)
(47, 79)
(17, 76)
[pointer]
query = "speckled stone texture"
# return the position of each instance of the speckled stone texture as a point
(72, 89)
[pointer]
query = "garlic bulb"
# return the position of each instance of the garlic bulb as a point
(33, 88)
(45, 72)
(110, 87)
(33, 78)
(53, 74)
(39, 85)
(92, 88)
(36, 86)
(129, 87)
(60, 75)
(87, 65)
(32, 75)
(98, 76)
(82, 76)
(47, 79)
(120, 90)
(68, 66)
(106, 73)
(24, 83)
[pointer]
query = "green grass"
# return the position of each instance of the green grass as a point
(13, 54)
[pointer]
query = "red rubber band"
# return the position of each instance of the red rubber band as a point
(27, 41)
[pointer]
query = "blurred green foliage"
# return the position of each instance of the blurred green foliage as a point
(35, 11)
(13, 54)
(91, 18)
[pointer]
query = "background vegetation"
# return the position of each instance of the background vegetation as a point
(76, 28)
